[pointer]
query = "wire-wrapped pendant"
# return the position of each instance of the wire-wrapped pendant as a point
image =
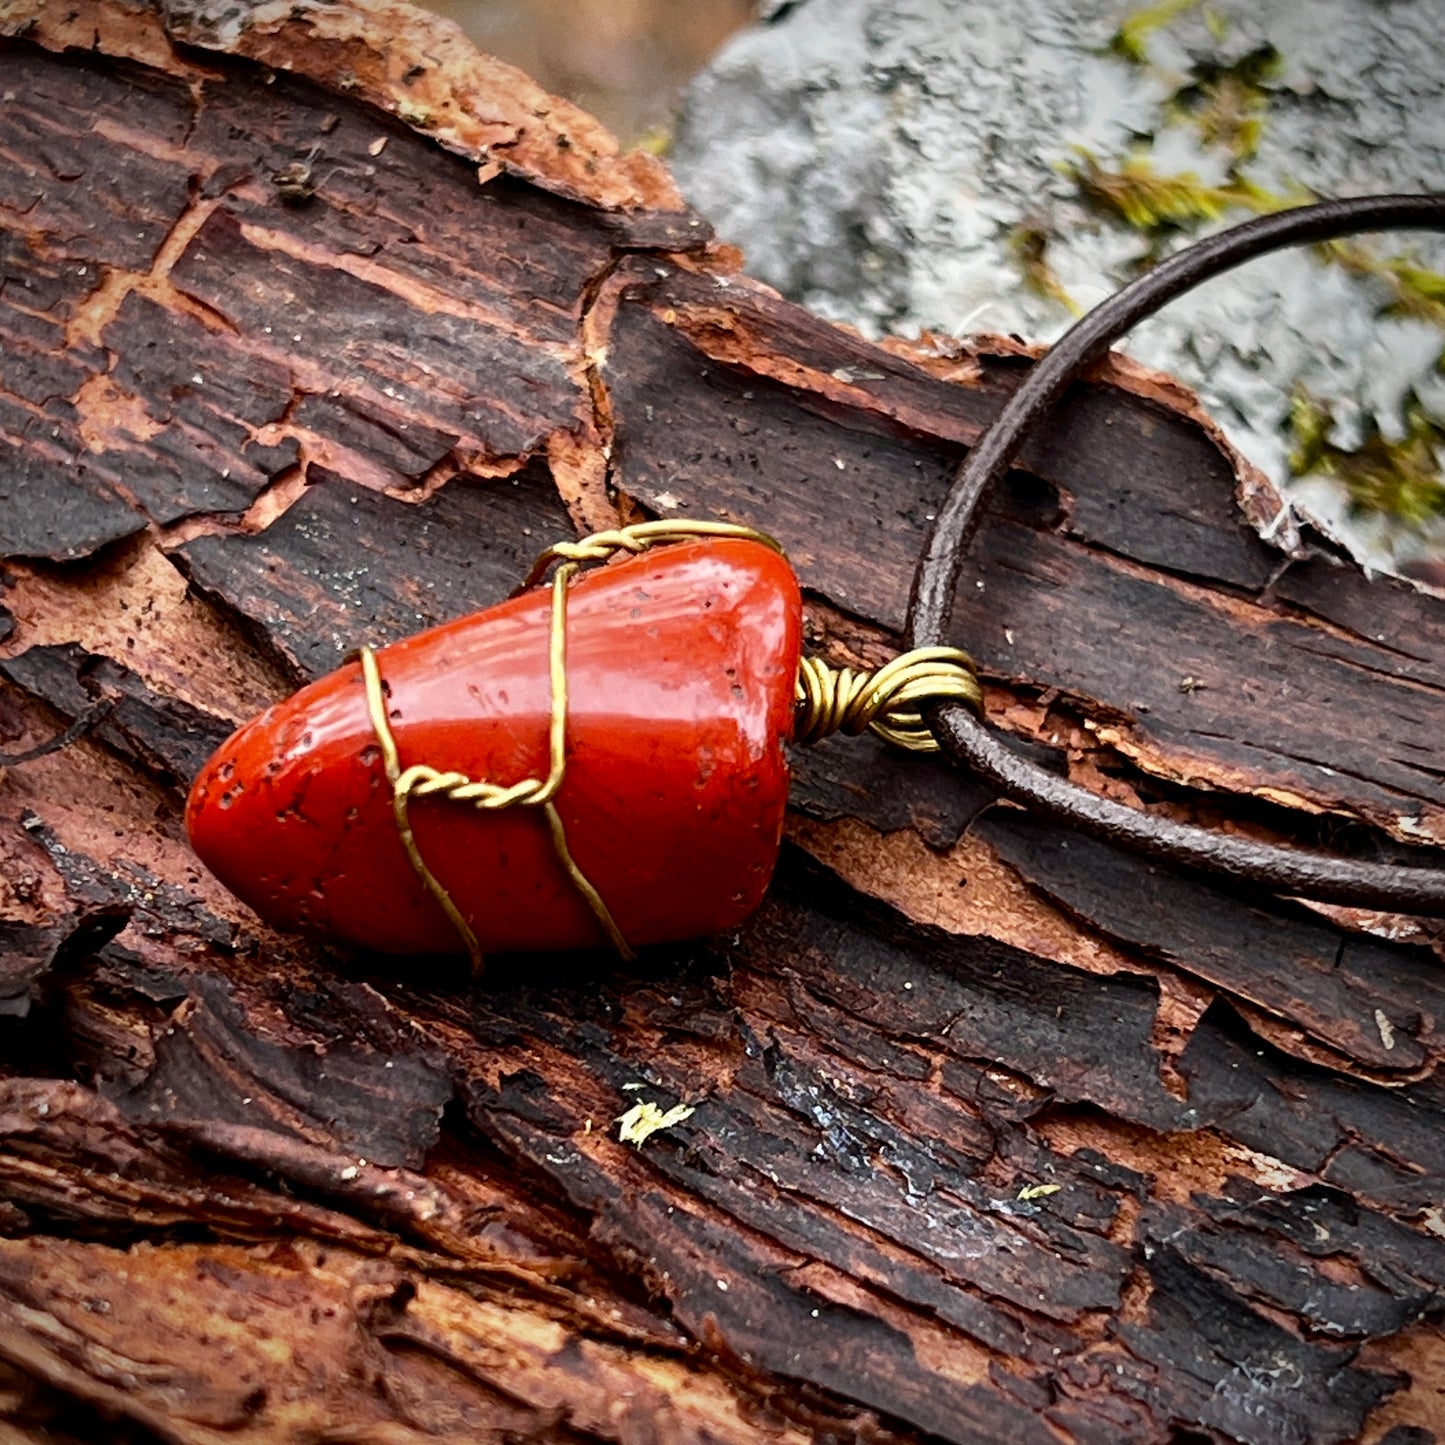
(603, 761)
(680, 668)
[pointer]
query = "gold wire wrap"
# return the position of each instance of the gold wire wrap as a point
(640, 536)
(828, 700)
(887, 701)
(420, 780)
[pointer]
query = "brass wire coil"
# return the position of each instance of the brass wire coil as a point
(829, 700)
(887, 702)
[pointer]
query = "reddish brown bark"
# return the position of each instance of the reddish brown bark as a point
(997, 1134)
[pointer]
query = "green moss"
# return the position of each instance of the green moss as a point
(1131, 40)
(1415, 290)
(1028, 248)
(1152, 202)
(1396, 479)
(1217, 23)
(1227, 104)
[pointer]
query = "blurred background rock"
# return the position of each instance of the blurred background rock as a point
(626, 61)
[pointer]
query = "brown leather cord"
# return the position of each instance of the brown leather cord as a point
(965, 739)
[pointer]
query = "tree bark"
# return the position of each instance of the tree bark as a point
(317, 327)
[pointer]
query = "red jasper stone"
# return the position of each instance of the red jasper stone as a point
(681, 665)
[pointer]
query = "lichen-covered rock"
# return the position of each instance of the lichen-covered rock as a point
(968, 166)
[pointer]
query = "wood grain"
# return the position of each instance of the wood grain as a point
(997, 1134)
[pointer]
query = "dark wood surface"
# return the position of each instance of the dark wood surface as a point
(997, 1134)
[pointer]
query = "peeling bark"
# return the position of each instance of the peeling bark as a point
(996, 1134)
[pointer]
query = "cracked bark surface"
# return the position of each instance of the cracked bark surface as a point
(997, 1134)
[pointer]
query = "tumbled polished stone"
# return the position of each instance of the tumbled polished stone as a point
(681, 666)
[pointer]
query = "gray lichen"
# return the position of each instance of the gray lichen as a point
(966, 166)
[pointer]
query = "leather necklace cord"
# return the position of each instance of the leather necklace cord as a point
(968, 742)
